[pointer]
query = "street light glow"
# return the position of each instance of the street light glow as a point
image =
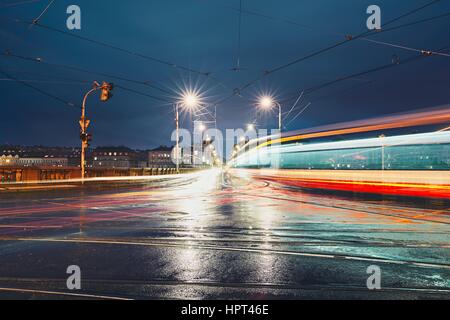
(201, 127)
(190, 100)
(266, 102)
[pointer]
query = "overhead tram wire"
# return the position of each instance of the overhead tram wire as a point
(269, 17)
(372, 70)
(43, 12)
(129, 52)
(19, 3)
(142, 93)
(426, 52)
(73, 68)
(330, 32)
(238, 62)
(113, 47)
(440, 16)
(338, 44)
(369, 33)
(294, 105)
(45, 81)
(298, 114)
(51, 95)
(422, 51)
(78, 81)
(340, 34)
(413, 23)
(87, 71)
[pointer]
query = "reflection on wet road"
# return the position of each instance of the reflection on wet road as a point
(213, 235)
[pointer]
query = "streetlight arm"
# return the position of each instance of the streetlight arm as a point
(83, 112)
(84, 124)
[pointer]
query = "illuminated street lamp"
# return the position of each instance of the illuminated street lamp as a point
(189, 101)
(201, 127)
(250, 127)
(85, 137)
(267, 103)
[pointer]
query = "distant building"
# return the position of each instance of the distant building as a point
(9, 160)
(34, 156)
(186, 156)
(74, 157)
(140, 159)
(43, 162)
(161, 157)
(113, 157)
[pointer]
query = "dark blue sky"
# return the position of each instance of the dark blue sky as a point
(203, 35)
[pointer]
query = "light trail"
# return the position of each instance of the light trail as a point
(402, 217)
(328, 165)
(100, 179)
(420, 119)
(396, 121)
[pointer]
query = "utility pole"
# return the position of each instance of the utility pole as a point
(177, 122)
(84, 123)
(279, 116)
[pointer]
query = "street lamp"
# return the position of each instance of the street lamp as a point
(250, 127)
(84, 123)
(201, 127)
(266, 103)
(189, 101)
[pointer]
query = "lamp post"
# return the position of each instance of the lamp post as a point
(84, 123)
(177, 120)
(267, 102)
(189, 101)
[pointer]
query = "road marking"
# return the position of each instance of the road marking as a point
(59, 293)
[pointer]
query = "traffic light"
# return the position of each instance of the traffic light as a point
(106, 91)
(86, 137)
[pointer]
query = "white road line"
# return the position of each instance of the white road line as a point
(80, 295)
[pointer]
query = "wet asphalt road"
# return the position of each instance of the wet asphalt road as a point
(210, 235)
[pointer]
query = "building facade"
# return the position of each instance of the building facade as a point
(29, 156)
(112, 157)
(43, 162)
(161, 157)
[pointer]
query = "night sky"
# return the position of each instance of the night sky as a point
(203, 35)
